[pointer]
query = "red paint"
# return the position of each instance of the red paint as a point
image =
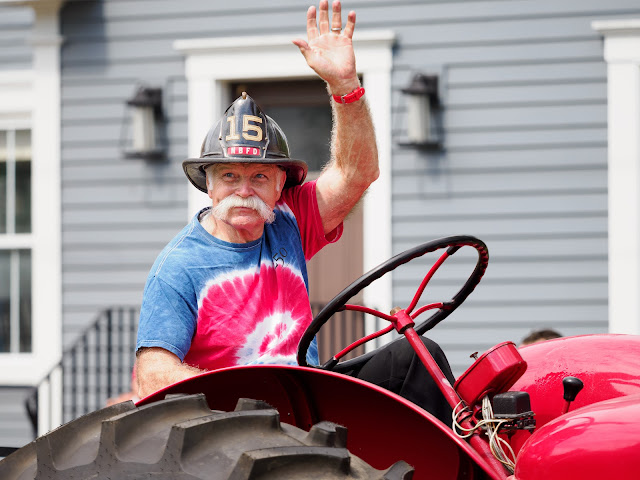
(382, 427)
(493, 372)
(598, 438)
(251, 151)
(598, 441)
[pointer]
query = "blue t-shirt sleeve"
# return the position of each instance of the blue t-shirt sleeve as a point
(167, 320)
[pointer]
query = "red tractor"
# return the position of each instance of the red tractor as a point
(564, 408)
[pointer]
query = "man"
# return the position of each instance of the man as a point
(537, 336)
(231, 287)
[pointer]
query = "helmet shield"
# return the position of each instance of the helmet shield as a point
(244, 134)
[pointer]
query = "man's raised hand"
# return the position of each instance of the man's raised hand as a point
(329, 48)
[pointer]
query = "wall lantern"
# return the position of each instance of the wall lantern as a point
(146, 115)
(423, 113)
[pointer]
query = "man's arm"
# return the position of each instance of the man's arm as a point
(157, 368)
(354, 154)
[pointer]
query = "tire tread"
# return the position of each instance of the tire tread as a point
(182, 438)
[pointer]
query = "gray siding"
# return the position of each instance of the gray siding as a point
(117, 214)
(15, 426)
(524, 168)
(15, 31)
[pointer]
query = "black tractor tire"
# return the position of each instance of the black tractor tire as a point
(181, 438)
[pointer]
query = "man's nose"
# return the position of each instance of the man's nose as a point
(244, 188)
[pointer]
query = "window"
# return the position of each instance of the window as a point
(15, 231)
(31, 208)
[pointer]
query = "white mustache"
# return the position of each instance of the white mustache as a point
(221, 211)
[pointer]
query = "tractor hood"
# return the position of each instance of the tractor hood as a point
(594, 442)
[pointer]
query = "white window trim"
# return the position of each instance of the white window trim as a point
(622, 54)
(32, 99)
(213, 62)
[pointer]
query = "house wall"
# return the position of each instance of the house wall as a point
(15, 426)
(15, 29)
(117, 214)
(524, 166)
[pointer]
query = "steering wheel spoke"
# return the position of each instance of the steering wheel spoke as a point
(362, 341)
(425, 308)
(370, 311)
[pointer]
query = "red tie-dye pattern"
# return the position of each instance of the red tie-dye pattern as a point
(255, 317)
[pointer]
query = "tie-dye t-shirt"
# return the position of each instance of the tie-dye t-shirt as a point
(217, 304)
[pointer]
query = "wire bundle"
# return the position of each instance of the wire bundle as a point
(500, 448)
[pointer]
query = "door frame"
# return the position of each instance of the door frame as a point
(211, 63)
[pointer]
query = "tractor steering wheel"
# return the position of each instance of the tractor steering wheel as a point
(444, 309)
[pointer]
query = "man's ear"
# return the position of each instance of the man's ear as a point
(282, 179)
(209, 180)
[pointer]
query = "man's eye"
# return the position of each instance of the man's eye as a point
(228, 175)
(261, 175)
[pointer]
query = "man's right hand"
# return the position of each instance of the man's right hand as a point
(157, 368)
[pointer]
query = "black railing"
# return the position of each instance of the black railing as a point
(100, 363)
(98, 366)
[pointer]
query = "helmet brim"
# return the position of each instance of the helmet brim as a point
(194, 169)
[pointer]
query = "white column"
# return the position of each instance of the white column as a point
(201, 92)
(46, 201)
(622, 53)
(44, 407)
(376, 226)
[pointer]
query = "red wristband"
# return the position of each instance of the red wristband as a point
(350, 97)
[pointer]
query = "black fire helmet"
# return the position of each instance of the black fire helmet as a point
(239, 137)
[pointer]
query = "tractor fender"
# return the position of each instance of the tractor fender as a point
(598, 441)
(383, 427)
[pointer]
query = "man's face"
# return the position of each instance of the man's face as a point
(263, 182)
